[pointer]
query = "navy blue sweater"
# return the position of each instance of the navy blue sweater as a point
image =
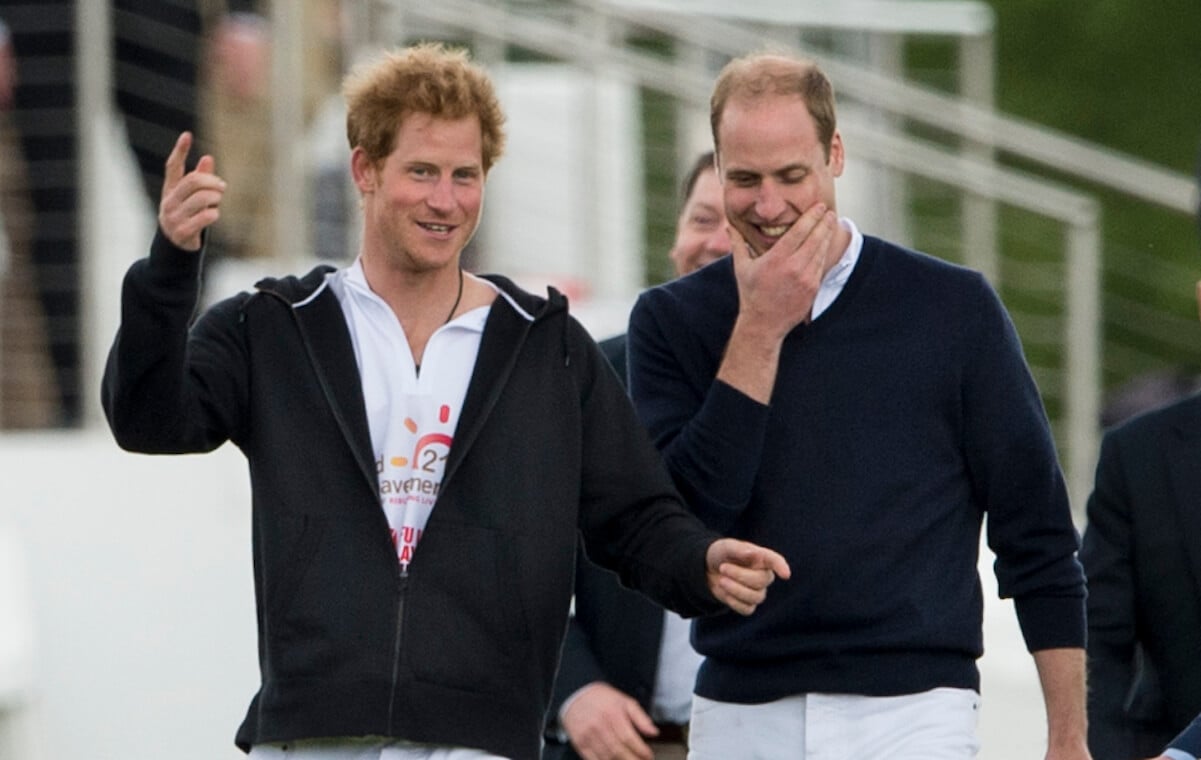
(900, 418)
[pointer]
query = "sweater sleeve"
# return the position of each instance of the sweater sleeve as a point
(1016, 476)
(711, 439)
(169, 387)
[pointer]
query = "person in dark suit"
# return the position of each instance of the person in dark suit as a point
(625, 679)
(1142, 555)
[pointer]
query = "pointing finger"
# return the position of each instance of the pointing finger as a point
(761, 558)
(175, 161)
(777, 564)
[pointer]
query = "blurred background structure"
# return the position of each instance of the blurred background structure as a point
(1049, 145)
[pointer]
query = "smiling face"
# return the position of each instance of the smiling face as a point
(422, 203)
(773, 165)
(701, 235)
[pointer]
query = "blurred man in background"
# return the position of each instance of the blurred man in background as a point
(700, 238)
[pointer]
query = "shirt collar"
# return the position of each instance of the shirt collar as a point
(835, 279)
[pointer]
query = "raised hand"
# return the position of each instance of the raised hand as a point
(777, 287)
(190, 200)
(776, 290)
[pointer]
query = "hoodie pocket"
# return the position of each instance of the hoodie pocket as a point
(288, 557)
(464, 623)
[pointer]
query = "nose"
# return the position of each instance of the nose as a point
(442, 195)
(769, 201)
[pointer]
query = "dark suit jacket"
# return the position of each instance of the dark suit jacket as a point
(1142, 554)
(614, 635)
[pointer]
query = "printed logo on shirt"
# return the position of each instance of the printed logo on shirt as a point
(409, 481)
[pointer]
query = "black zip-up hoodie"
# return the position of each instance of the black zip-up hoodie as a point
(462, 648)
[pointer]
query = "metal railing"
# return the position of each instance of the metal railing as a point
(973, 138)
(570, 33)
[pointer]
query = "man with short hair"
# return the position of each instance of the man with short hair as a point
(425, 446)
(701, 236)
(860, 407)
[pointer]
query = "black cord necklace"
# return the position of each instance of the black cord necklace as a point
(458, 298)
(451, 315)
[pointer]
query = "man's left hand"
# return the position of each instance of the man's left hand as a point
(739, 573)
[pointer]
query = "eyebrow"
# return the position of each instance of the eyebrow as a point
(795, 167)
(791, 168)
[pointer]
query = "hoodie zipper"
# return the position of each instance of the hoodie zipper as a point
(554, 302)
(402, 587)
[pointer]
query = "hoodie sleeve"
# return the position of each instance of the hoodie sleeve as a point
(631, 517)
(170, 387)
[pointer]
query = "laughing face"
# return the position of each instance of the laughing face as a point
(701, 236)
(422, 203)
(773, 166)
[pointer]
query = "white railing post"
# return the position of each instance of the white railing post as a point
(98, 302)
(1082, 355)
(289, 185)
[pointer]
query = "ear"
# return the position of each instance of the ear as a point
(837, 154)
(363, 170)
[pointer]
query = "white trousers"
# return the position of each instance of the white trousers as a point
(935, 725)
(363, 749)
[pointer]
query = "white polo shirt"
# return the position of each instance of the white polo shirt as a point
(411, 414)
